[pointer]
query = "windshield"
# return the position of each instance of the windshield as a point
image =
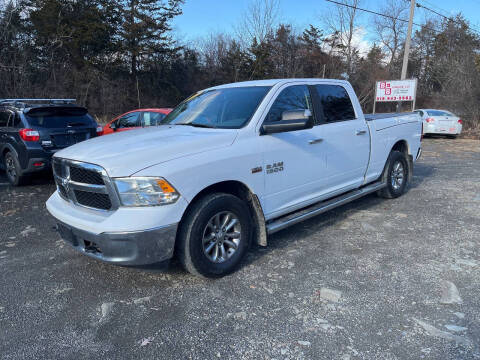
(229, 108)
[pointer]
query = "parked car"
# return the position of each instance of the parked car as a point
(440, 122)
(32, 130)
(136, 119)
(233, 163)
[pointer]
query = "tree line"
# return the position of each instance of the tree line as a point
(113, 56)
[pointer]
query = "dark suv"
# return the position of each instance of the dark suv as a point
(32, 130)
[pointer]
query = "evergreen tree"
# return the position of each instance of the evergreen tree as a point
(145, 28)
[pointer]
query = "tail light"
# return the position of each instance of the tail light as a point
(99, 130)
(29, 134)
(430, 120)
(460, 121)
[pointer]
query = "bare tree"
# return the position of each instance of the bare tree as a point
(258, 21)
(341, 23)
(390, 31)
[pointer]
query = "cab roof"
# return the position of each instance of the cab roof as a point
(273, 82)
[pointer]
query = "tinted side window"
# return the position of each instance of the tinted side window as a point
(17, 122)
(336, 103)
(129, 120)
(4, 116)
(295, 97)
(14, 121)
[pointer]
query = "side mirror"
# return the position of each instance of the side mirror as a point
(292, 120)
(300, 114)
(113, 126)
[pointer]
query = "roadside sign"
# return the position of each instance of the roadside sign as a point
(395, 90)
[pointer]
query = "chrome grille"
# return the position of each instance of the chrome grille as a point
(95, 200)
(84, 184)
(85, 176)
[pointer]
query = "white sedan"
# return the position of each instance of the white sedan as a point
(440, 122)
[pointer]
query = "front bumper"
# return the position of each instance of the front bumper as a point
(123, 248)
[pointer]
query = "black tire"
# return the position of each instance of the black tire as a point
(452, 136)
(392, 175)
(190, 248)
(14, 171)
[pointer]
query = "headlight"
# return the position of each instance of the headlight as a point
(145, 191)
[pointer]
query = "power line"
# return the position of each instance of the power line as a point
(448, 17)
(435, 6)
(380, 14)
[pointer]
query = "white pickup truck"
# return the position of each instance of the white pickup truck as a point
(230, 165)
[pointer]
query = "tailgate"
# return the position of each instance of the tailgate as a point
(62, 138)
(70, 137)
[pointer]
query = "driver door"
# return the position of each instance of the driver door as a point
(293, 163)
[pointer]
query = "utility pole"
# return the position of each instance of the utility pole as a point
(407, 49)
(407, 40)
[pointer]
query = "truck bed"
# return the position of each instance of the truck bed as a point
(378, 116)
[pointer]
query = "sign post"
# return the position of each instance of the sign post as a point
(395, 91)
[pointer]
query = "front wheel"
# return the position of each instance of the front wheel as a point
(396, 176)
(214, 235)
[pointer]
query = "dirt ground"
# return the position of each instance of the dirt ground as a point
(375, 279)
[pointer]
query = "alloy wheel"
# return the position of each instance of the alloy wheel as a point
(397, 175)
(222, 236)
(10, 168)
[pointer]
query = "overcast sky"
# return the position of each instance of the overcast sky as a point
(203, 17)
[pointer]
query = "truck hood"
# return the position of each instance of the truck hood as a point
(125, 153)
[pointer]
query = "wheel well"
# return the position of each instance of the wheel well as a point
(229, 187)
(4, 152)
(401, 146)
(241, 191)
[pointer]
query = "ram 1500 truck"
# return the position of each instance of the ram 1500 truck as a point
(228, 166)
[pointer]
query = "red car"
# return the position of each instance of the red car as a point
(135, 119)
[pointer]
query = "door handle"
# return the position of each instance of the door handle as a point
(361, 132)
(315, 141)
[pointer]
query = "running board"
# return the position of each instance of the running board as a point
(319, 208)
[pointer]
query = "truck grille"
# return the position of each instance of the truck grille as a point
(86, 176)
(84, 184)
(94, 200)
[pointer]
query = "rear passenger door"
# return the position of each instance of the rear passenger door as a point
(346, 139)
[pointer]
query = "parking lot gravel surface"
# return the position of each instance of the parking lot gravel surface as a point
(375, 279)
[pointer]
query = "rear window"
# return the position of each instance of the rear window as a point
(336, 103)
(438, 113)
(47, 117)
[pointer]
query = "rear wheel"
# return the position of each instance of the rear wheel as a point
(395, 175)
(215, 235)
(13, 170)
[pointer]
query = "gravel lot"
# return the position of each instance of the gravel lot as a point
(375, 279)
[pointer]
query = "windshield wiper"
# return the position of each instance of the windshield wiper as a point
(198, 125)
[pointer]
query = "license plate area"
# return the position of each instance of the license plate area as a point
(64, 140)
